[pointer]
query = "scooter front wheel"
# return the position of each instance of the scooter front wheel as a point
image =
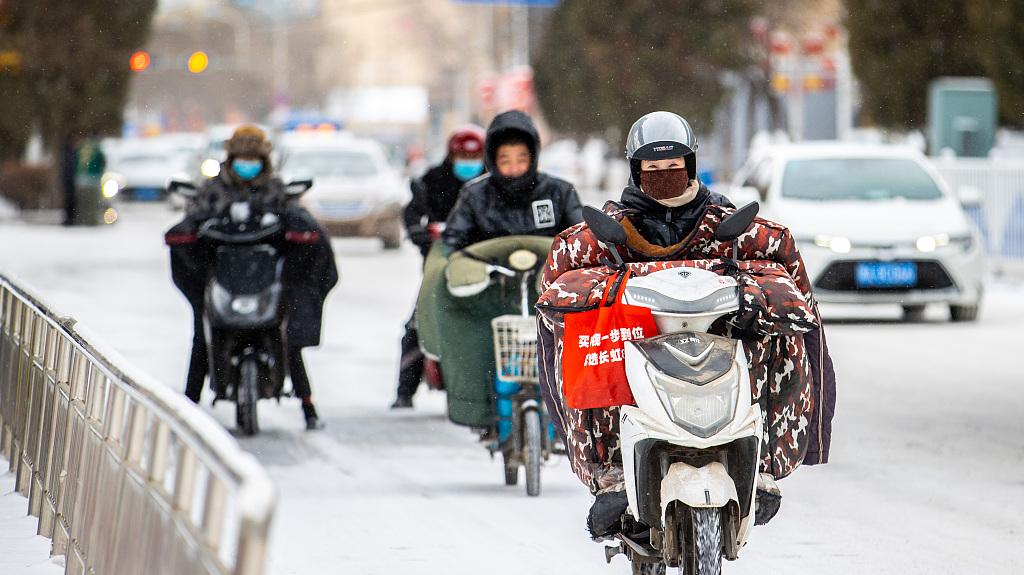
(707, 541)
(248, 396)
(533, 447)
(648, 568)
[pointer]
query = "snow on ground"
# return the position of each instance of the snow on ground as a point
(927, 471)
(22, 552)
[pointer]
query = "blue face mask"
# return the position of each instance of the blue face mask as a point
(466, 170)
(247, 169)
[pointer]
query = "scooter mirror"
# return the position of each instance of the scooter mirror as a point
(737, 223)
(296, 188)
(181, 185)
(605, 227)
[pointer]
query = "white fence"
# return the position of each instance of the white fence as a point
(1001, 216)
(125, 475)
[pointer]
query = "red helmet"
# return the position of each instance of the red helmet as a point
(468, 139)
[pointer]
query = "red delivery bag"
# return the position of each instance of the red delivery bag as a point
(593, 358)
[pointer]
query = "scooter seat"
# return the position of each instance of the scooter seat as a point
(683, 290)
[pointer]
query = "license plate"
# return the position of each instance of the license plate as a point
(341, 210)
(886, 274)
(147, 194)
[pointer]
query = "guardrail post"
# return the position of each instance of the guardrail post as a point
(185, 481)
(213, 513)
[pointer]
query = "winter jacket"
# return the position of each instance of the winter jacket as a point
(493, 205)
(309, 274)
(433, 197)
(785, 313)
(216, 194)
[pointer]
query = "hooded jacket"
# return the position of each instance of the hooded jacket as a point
(493, 205)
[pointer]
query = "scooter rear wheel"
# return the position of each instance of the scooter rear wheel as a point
(248, 396)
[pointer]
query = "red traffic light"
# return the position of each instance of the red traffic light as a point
(139, 61)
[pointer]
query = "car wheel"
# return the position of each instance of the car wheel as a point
(913, 313)
(963, 312)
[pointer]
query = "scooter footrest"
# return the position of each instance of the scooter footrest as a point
(639, 547)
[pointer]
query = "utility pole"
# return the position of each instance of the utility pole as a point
(521, 35)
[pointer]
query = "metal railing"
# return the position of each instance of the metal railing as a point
(125, 475)
(1001, 216)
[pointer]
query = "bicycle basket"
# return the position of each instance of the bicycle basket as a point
(515, 347)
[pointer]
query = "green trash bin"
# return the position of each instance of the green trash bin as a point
(90, 207)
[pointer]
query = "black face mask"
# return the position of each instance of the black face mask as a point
(515, 186)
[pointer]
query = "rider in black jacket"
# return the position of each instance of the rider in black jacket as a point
(435, 193)
(433, 197)
(514, 198)
(309, 270)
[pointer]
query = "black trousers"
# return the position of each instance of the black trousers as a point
(199, 366)
(410, 371)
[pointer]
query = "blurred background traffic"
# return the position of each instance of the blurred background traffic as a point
(103, 103)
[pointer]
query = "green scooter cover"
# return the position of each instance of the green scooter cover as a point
(457, 330)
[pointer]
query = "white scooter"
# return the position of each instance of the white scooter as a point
(692, 443)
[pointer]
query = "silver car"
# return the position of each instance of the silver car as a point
(355, 192)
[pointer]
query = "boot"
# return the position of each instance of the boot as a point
(313, 422)
(402, 402)
(768, 500)
(605, 518)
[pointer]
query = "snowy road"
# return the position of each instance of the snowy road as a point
(928, 458)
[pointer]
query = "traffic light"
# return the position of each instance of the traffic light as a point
(139, 61)
(198, 62)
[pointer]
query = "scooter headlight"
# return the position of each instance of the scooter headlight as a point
(245, 305)
(703, 410)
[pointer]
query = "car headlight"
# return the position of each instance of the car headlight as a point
(110, 188)
(703, 410)
(929, 244)
(838, 244)
(210, 168)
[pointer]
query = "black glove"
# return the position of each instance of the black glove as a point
(421, 237)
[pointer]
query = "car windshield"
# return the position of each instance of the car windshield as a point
(133, 161)
(831, 179)
(326, 164)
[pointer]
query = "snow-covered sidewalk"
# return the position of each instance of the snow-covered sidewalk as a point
(21, 550)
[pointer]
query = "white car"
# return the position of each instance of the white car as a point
(355, 192)
(140, 169)
(874, 224)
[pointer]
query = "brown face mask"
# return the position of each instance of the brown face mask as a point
(664, 184)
